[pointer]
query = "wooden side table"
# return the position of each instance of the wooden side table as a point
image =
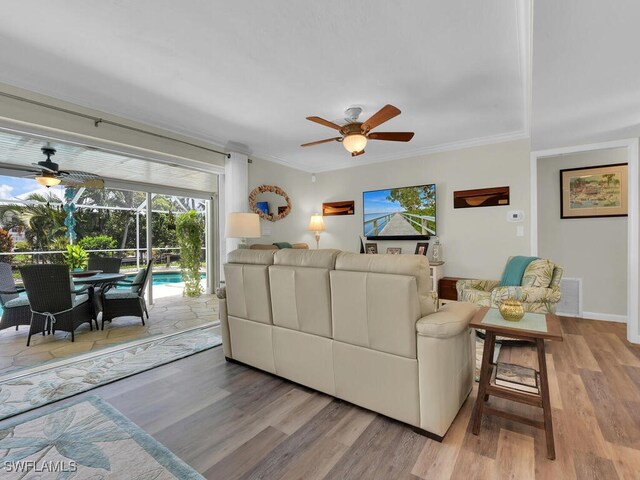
(534, 327)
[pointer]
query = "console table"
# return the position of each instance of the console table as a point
(536, 328)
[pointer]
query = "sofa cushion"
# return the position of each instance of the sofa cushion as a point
(301, 298)
(375, 310)
(538, 274)
(411, 265)
(247, 289)
(306, 258)
(251, 257)
(449, 321)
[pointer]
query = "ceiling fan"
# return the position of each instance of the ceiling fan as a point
(354, 134)
(47, 174)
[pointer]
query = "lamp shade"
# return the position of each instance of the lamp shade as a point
(48, 180)
(354, 142)
(316, 224)
(242, 225)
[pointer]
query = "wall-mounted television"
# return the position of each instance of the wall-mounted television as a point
(405, 213)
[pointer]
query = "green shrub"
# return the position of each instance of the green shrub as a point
(189, 232)
(21, 247)
(97, 242)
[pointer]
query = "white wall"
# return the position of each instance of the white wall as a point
(298, 185)
(593, 249)
(476, 241)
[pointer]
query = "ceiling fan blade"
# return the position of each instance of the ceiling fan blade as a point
(391, 136)
(355, 154)
(326, 140)
(324, 122)
(385, 113)
(89, 183)
(40, 167)
(77, 178)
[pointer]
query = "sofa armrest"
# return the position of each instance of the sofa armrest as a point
(476, 284)
(525, 294)
(449, 321)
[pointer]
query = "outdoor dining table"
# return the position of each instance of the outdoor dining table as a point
(92, 281)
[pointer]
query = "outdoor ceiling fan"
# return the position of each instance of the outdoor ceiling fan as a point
(47, 174)
(354, 134)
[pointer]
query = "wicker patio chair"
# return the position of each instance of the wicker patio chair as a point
(120, 302)
(15, 309)
(106, 264)
(54, 306)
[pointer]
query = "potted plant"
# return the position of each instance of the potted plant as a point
(75, 257)
(189, 232)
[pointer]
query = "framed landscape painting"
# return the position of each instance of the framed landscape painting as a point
(594, 191)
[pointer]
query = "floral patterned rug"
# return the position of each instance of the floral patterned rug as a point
(85, 439)
(66, 378)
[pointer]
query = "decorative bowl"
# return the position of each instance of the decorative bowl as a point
(511, 310)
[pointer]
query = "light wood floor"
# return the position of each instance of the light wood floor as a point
(231, 422)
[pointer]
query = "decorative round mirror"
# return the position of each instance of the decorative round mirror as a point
(270, 202)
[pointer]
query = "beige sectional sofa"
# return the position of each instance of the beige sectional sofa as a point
(362, 328)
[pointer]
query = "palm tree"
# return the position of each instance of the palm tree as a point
(42, 223)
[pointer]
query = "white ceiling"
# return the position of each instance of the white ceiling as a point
(24, 150)
(251, 71)
(586, 72)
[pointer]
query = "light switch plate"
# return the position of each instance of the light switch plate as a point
(519, 231)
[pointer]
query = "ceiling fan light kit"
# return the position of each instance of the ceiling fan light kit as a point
(47, 180)
(355, 135)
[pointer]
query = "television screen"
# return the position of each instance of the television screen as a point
(406, 213)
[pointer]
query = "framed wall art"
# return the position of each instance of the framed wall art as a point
(338, 208)
(481, 197)
(589, 192)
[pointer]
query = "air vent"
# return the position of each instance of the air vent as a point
(571, 301)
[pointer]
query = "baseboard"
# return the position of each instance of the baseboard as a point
(607, 317)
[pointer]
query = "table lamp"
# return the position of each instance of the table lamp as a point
(316, 224)
(242, 225)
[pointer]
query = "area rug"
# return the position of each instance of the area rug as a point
(479, 351)
(62, 379)
(85, 439)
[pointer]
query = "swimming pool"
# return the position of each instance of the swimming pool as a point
(164, 278)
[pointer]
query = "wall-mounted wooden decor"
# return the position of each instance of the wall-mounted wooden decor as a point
(338, 208)
(481, 197)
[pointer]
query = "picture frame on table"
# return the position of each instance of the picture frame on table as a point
(421, 248)
(371, 248)
(394, 250)
(590, 192)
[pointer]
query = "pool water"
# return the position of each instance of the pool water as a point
(163, 278)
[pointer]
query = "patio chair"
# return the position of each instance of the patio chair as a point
(120, 302)
(15, 309)
(106, 264)
(54, 305)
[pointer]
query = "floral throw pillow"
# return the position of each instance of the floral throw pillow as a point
(538, 274)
